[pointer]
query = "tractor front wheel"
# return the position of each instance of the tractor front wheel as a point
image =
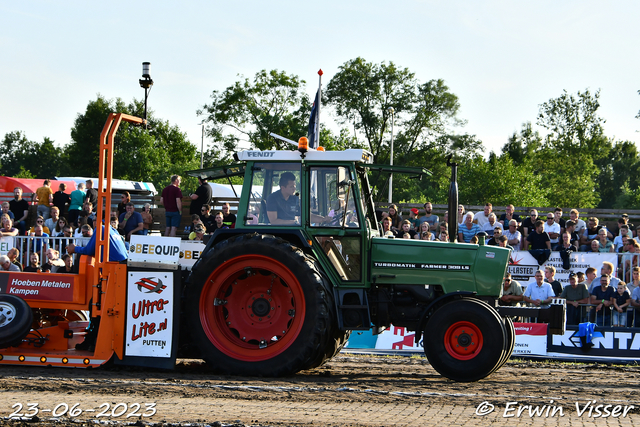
(464, 340)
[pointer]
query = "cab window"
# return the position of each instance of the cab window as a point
(274, 195)
(331, 198)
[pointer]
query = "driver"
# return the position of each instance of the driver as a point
(283, 206)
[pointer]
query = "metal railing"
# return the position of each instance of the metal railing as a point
(626, 262)
(603, 317)
(26, 245)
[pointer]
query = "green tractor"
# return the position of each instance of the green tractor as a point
(306, 264)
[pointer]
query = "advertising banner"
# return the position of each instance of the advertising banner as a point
(531, 339)
(398, 338)
(149, 314)
(190, 251)
(6, 243)
(146, 249)
(33, 286)
(607, 342)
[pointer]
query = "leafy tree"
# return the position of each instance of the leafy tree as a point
(23, 173)
(501, 182)
(573, 152)
(83, 151)
(574, 125)
(362, 94)
(248, 111)
(15, 149)
(521, 146)
(139, 154)
(23, 158)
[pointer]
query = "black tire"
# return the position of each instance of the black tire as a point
(15, 320)
(464, 340)
(510, 340)
(236, 288)
(331, 348)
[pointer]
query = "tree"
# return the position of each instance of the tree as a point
(150, 155)
(520, 147)
(619, 175)
(501, 182)
(362, 94)
(23, 158)
(572, 153)
(248, 111)
(573, 123)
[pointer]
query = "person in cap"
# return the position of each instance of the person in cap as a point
(413, 218)
(575, 294)
(198, 232)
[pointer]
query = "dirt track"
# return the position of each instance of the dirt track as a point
(350, 390)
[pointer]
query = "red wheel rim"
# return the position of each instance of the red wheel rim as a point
(463, 340)
(252, 308)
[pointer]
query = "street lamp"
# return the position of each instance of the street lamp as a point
(391, 111)
(146, 83)
(202, 148)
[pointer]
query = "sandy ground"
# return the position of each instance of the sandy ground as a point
(350, 390)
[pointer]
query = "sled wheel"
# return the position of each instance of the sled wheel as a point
(15, 320)
(258, 306)
(510, 341)
(464, 340)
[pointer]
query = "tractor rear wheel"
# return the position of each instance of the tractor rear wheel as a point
(15, 320)
(464, 340)
(256, 305)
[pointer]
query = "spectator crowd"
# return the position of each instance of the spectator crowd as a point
(69, 217)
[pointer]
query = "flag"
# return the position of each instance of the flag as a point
(313, 122)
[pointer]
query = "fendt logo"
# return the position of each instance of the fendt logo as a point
(151, 284)
(260, 153)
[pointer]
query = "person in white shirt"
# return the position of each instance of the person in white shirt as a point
(482, 218)
(491, 224)
(539, 292)
(580, 224)
(552, 228)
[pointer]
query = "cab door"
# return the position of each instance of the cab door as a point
(335, 223)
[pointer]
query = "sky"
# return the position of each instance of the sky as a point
(501, 58)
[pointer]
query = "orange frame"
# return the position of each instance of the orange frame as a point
(103, 281)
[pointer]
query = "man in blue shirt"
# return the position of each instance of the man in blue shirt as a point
(130, 222)
(117, 250)
(283, 206)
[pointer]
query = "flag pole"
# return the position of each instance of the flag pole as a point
(317, 138)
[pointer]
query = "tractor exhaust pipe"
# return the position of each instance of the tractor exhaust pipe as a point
(453, 201)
